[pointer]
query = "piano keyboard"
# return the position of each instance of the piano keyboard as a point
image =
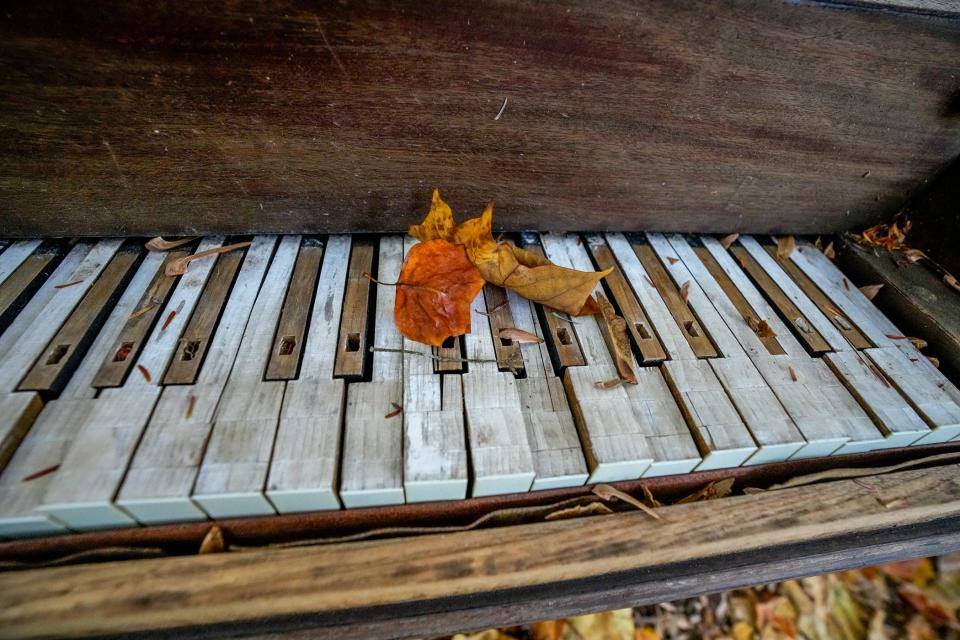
(271, 379)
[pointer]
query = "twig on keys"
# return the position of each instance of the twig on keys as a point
(563, 317)
(432, 356)
(405, 284)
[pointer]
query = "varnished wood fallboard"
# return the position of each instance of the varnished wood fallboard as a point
(292, 116)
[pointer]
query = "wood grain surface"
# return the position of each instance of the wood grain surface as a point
(145, 118)
(629, 558)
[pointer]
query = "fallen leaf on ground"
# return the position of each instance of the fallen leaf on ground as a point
(436, 286)
(614, 331)
(179, 267)
(159, 244)
(871, 290)
(213, 542)
(531, 276)
(785, 247)
(889, 236)
(519, 335)
(726, 241)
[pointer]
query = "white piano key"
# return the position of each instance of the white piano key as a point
(898, 422)
(52, 435)
(796, 295)
(158, 484)
(927, 386)
(372, 459)
(82, 491)
(722, 409)
(303, 472)
(616, 425)
(557, 457)
(231, 479)
(434, 434)
(499, 450)
(15, 255)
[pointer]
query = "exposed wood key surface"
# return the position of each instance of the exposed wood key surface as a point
(16, 289)
(498, 312)
(121, 358)
(195, 340)
(692, 330)
(231, 478)
(372, 459)
(292, 328)
(500, 456)
(304, 467)
(640, 327)
(164, 468)
(66, 348)
(84, 487)
(352, 352)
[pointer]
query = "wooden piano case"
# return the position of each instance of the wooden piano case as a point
(757, 116)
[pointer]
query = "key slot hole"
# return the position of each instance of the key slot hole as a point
(448, 343)
(642, 330)
(353, 342)
(57, 354)
(287, 345)
(564, 336)
(190, 350)
(123, 352)
(691, 329)
(507, 342)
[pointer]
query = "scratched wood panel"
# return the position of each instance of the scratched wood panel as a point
(319, 118)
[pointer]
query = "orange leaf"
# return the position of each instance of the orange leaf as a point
(726, 241)
(436, 286)
(528, 274)
(785, 246)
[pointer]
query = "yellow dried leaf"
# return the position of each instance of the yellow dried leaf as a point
(914, 255)
(785, 247)
(871, 290)
(438, 225)
(829, 252)
(685, 291)
(919, 343)
(549, 629)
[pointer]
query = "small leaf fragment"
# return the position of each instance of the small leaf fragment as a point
(870, 291)
(191, 403)
(67, 284)
(159, 244)
(785, 247)
(685, 291)
(519, 335)
(39, 474)
(612, 383)
(672, 260)
(397, 410)
(614, 331)
(950, 281)
(919, 343)
(829, 252)
(139, 312)
(761, 328)
(934, 361)
(143, 371)
(846, 284)
(793, 373)
(914, 255)
(726, 241)
(213, 542)
(607, 493)
(714, 490)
